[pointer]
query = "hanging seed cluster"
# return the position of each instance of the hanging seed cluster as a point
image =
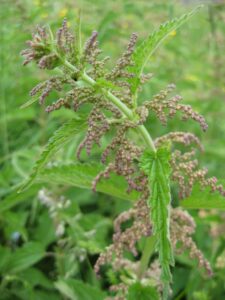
(165, 108)
(182, 227)
(185, 173)
(185, 138)
(127, 239)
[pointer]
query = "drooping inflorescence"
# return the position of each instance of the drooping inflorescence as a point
(114, 109)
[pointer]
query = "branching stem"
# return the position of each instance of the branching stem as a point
(150, 241)
(119, 104)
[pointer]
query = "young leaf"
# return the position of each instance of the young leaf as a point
(77, 290)
(156, 167)
(145, 50)
(62, 136)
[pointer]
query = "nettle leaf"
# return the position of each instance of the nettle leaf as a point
(156, 166)
(82, 174)
(62, 136)
(145, 50)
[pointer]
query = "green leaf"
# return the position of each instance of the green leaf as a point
(25, 257)
(15, 198)
(203, 199)
(82, 175)
(145, 50)
(35, 277)
(62, 136)
(77, 290)
(138, 291)
(4, 258)
(156, 166)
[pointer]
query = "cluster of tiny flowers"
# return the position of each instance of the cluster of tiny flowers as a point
(39, 48)
(182, 227)
(55, 205)
(186, 174)
(185, 138)
(166, 108)
(43, 89)
(127, 239)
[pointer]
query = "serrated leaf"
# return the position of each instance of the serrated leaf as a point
(82, 174)
(14, 198)
(25, 257)
(62, 136)
(145, 50)
(156, 166)
(77, 290)
(138, 291)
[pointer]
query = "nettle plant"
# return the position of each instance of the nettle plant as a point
(148, 166)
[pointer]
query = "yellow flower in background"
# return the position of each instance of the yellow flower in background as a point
(173, 33)
(63, 12)
(190, 77)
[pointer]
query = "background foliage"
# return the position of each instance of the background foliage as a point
(36, 262)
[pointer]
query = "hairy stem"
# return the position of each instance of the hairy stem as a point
(149, 242)
(118, 103)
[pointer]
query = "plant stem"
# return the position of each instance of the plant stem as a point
(146, 254)
(118, 103)
(150, 241)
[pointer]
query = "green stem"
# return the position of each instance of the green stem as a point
(118, 103)
(146, 254)
(150, 242)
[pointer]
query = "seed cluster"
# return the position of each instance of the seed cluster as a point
(166, 108)
(186, 174)
(182, 227)
(97, 127)
(127, 239)
(185, 138)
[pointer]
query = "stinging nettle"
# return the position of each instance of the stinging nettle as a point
(149, 166)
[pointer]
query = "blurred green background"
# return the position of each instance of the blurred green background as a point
(192, 58)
